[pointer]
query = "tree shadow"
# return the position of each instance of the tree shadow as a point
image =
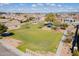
(7, 34)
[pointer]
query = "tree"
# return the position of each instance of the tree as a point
(3, 28)
(50, 17)
(31, 18)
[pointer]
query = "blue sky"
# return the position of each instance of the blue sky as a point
(39, 7)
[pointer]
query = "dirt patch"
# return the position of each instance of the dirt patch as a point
(66, 50)
(11, 41)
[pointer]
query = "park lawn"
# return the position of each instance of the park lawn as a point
(37, 39)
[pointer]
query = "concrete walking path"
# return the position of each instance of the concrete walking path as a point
(63, 49)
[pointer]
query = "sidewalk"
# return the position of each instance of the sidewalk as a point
(63, 48)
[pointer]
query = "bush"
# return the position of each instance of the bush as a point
(0, 37)
(75, 53)
(54, 27)
(40, 27)
(63, 26)
(27, 27)
(68, 39)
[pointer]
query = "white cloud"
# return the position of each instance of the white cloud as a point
(47, 3)
(45, 8)
(21, 4)
(34, 5)
(59, 5)
(53, 4)
(50, 4)
(2, 4)
(40, 4)
(70, 8)
(76, 10)
(34, 9)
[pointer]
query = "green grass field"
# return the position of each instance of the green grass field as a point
(37, 39)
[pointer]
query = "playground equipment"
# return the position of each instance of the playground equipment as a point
(75, 40)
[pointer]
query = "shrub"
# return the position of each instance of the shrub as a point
(68, 40)
(0, 37)
(63, 26)
(75, 53)
(3, 28)
(54, 27)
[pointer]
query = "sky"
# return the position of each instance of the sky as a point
(39, 7)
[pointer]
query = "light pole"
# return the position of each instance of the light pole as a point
(75, 40)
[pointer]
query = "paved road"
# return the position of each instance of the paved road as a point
(6, 52)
